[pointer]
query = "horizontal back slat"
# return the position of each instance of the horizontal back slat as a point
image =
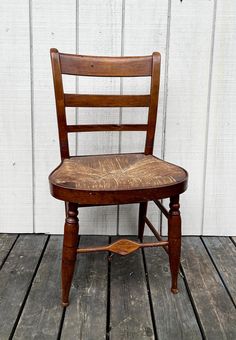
(106, 66)
(86, 100)
(107, 127)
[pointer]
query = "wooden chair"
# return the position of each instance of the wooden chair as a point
(113, 179)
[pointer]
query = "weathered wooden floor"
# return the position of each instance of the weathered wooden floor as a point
(124, 298)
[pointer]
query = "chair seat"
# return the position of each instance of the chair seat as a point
(101, 179)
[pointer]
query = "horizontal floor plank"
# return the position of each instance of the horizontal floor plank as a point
(130, 316)
(42, 313)
(174, 315)
(85, 317)
(214, 307)
(15, 278)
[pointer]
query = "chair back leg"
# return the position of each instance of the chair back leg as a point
(141, 221)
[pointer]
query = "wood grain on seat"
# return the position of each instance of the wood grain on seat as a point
(116, 172)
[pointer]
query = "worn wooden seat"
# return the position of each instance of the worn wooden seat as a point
(107, 179)
(83, 181)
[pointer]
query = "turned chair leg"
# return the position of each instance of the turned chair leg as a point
(174, 239)
(69, 253)
(141, 222)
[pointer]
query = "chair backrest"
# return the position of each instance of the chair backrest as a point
(80, 65)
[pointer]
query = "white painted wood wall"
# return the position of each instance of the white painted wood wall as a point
(196, 117)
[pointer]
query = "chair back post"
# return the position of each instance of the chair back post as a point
(154, 94)
(60, 103)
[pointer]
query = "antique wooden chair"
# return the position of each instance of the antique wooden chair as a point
(113, 179)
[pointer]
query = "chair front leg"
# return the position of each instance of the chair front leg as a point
(69, 253)
(174, 239)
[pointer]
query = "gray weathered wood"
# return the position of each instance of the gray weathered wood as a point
(42, 313)
(174, 315)
(234, 239)
(6, 242)
(85, 317)
(213, 305)
(223, 253)
(130, 316)
(15, 278)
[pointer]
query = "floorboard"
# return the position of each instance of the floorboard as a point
(214, 306)
(130, 316)
(174, 315)
(6, 243)
(15, 277)
(127, 297)
(85, 318)
(223, 254)
(42, 313)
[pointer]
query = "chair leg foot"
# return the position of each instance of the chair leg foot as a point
(69, 253)
(174, 290)
(141, 222)
(174, 239)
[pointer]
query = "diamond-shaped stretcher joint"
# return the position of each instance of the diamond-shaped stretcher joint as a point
(123, 247)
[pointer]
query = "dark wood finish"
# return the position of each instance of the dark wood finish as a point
(99, 100)
(15, 278)
(42, 312)
(106, 127)
(213, 305)
(152, 114)
(60, 103)
(105, 66)
(70, 244)
(122, 247)
(87, 314)
(162, 208)
(173, 314)
(174, 239)
(113, 179)
(141, 221)
(124, 178)
(155, 232)
(130, 316)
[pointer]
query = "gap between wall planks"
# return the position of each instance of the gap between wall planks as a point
(220, 187)
(53, 25)
(99, 33)
(186, 111)
(16, 209)
(145, 31)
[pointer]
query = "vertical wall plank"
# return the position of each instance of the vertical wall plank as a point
(99, 33)
(220, 212)
(186, 117)
(54, 25)
(15, 106)
(145, 31)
